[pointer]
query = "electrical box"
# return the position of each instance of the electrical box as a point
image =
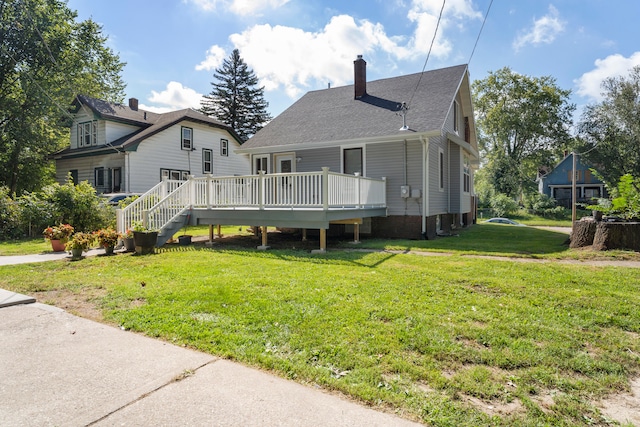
(416, 193)
(405, 191)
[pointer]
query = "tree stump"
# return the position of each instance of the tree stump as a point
(617, 235)
(582, 234)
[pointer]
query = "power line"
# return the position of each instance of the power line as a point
(428, 54)
(480, 32)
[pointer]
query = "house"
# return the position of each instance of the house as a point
(558, 184)
(417, 131)
(121, 148)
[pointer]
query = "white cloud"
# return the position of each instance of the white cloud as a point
(239, 7)
(295, 59)
(589, 84)
(174, 97)
(544, 30)
(292, 58)
(214, 58)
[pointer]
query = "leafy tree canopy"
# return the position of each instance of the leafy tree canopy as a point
(46, 59)
(610, 130)
(522, 124)
(235, 99)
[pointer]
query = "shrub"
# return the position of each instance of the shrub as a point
(9, 216)
(543, 205)
(503, 205)
(625, 200)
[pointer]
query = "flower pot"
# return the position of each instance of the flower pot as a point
(145, 241)
(76, 253)
(184, 240)
(58, 245)
(108, 250)
(129, 244)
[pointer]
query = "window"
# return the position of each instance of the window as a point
(224, 148)
(456, 126)
(352, 161)
(207, 160)
(466, 172)
(74, 176)
(99, 177)
(87, 133)
(260, 164)
(441, 168)
(174, 174)
(116, 174)
(187, 138)
(578, 175)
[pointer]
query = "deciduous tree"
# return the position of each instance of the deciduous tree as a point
(523, 123)
(610, 130)
(46, 58)
(235, 99)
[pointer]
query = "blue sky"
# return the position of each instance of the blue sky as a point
(172, 47)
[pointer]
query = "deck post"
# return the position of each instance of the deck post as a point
(323, 242)
(264, 246)
(192, 191)
(325, 188)
(209, 191)
(304, 234)
(356, 233)
(211, 232)
(219, 231)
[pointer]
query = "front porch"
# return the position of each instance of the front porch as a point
(293, 200)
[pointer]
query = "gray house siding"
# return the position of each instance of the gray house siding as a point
(438, 198)
(455, 174)
(388, 160)
(314, 160)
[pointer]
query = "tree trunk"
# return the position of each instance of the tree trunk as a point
(617, 235)
(583, 234)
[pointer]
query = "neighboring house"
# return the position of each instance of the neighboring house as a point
(427, 153)
(558, 184)
(121, 148)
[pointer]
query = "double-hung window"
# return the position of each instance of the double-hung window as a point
(87, 133)
(187, 138)
(466, 172)
(224, 148)
(207, 160)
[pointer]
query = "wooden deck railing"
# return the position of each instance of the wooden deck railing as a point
(309, 190)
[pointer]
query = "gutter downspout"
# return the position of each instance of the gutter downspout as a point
(425, 181)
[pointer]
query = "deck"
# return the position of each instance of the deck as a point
(312, 200)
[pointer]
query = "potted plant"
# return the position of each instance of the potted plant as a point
(144, 238)
(80, 242)
(185, 239)
(58, 236)
(107, 238)
(127, 238)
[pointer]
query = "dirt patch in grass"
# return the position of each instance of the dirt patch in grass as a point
(623, 407)
(84, 303)
(495, 407)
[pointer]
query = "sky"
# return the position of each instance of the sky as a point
(172, 47)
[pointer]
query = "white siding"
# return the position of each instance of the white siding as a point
(163, 151)
(110, 131)
(86, 166)
(315, 160)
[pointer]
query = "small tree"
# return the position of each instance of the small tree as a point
(235, 99)
(503, 205)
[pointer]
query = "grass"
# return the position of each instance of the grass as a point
(422, 336)
(24, 246)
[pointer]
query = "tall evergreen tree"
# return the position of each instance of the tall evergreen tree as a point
(235, 99)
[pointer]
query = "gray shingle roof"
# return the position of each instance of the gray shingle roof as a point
(150, 123)
(334, 115)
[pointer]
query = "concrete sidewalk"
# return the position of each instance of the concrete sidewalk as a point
(59, 369)
(46, 256)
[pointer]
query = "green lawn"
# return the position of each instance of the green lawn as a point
(432, 338)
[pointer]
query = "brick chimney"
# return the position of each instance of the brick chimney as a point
(133, 104)
(360, 77)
